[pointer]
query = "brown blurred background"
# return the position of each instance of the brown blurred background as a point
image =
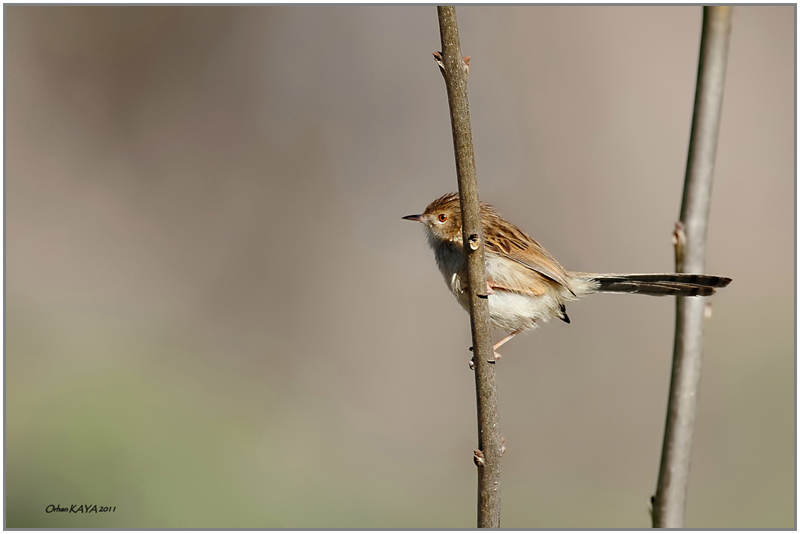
(215, 316)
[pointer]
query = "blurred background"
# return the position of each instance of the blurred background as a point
(215, 316)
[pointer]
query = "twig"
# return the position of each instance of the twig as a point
(669, 502)
(487, 457)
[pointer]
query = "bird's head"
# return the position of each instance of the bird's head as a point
(442, 218)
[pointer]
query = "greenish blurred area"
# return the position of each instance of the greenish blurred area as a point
(174, 431)
(146, 416)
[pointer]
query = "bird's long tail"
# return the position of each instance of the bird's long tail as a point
(659, 285)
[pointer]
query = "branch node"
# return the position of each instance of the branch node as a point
(437, 57)
(679, 240)
(478, 458)
(474, 241)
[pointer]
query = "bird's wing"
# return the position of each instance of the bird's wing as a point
(508, 241)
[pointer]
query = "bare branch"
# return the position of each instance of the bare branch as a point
(669, 502)
(487, 458)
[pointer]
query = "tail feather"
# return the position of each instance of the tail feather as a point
(675, 284)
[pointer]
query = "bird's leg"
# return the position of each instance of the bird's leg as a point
(504, 341)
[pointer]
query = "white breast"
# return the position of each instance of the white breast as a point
(512, 311)
(508, 311)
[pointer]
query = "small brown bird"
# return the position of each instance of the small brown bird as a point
(526, 285)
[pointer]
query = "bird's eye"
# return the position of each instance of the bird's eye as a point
(442, 217)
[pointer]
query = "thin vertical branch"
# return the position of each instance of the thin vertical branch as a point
(669, 503)
(487, 457)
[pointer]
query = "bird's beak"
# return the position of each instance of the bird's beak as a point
(417, 218)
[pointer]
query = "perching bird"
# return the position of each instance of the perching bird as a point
(526, 285)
